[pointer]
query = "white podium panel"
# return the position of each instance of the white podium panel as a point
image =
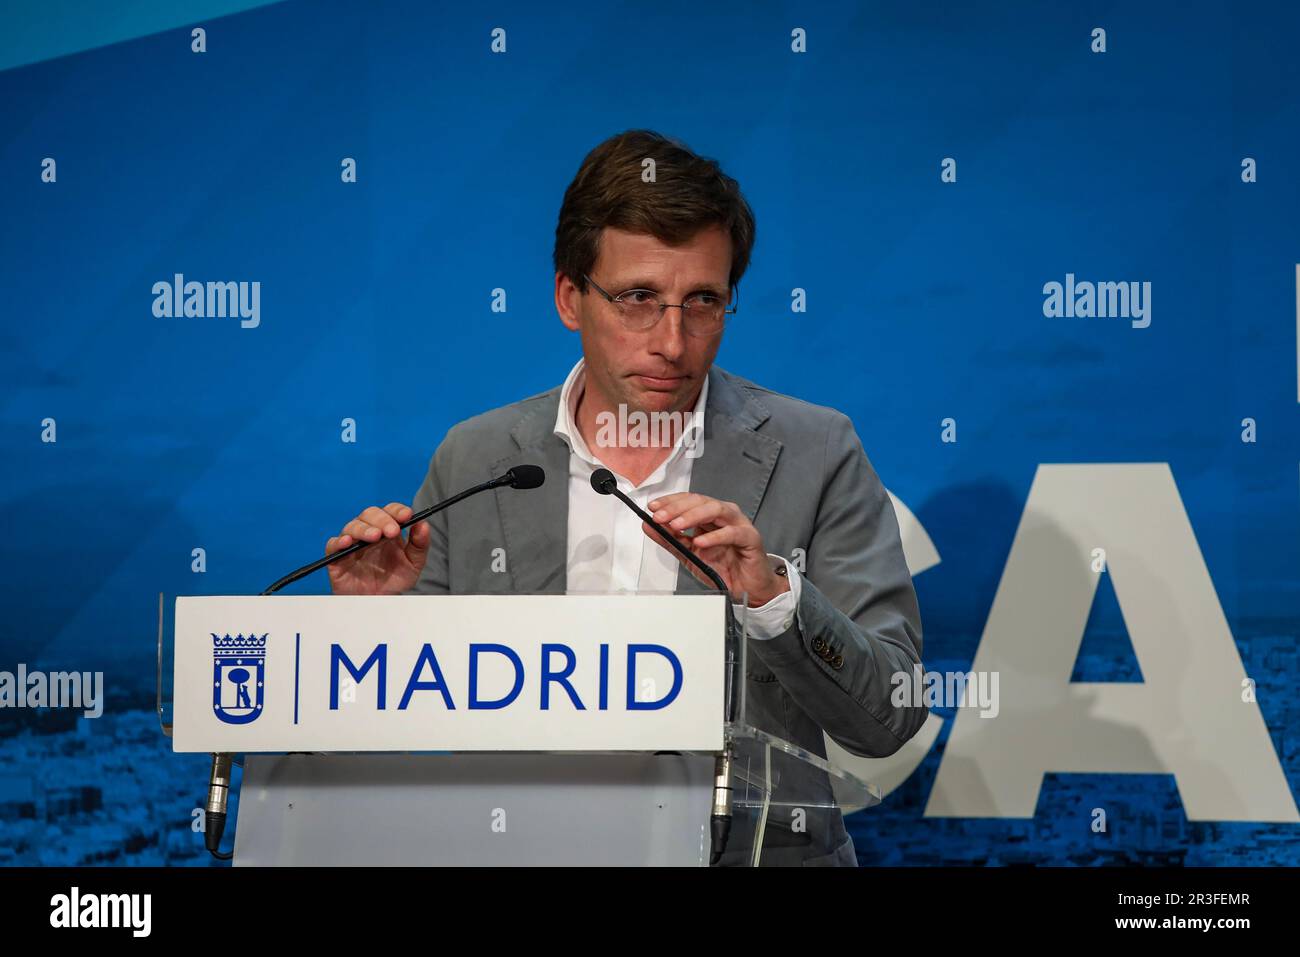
(475, 809)
(449, 673)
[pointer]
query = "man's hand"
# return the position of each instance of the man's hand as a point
(724, 538)
(390, 566)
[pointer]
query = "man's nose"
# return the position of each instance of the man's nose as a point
(668, 337)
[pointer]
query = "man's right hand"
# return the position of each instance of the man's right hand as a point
(390, 566)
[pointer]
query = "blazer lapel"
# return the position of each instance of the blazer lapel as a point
(536, 521)
(735, 462)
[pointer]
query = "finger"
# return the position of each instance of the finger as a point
(417, 544)
(398, 511)
(338, 543)
(372, 525)
(362, 531)
(737, 536)
(665, 501)
(379, 518)
(711, 511)
(422, 532)
(670, 506)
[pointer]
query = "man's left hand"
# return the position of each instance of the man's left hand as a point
(724, 538)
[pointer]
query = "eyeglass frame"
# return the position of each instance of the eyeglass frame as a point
(663, 306)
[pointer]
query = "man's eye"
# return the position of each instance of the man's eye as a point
(637, 296)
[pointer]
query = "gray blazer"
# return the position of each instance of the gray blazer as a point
(800, 473)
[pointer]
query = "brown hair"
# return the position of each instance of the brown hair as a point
(690, 193)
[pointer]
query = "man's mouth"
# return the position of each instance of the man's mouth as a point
(659, 383)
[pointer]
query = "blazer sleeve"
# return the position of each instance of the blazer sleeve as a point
(857, 622)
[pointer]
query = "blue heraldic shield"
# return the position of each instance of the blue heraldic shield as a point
(238, 676)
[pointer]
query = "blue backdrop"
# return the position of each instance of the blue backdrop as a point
(925, 301)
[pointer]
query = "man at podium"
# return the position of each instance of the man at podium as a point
(776, 494)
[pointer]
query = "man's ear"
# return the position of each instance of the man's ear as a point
(567, 298)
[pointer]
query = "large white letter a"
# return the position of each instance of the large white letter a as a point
(1187, 718)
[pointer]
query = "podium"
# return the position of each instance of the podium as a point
(493, 730)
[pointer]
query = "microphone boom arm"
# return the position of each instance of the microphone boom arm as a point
(525, 479)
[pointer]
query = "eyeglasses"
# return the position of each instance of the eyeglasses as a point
(703, 313)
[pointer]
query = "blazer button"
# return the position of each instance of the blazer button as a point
(837, 662)
(818, 645)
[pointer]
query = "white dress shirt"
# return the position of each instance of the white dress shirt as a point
(608, 552)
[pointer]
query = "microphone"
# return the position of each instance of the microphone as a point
(524, 476)
(603, 481)
(521, 476)
(214, 819)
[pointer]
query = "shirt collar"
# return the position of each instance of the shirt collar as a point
(566, 426)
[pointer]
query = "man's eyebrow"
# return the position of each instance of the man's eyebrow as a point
(642, 283)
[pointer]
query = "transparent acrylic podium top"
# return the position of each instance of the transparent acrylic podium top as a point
(769, 771)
